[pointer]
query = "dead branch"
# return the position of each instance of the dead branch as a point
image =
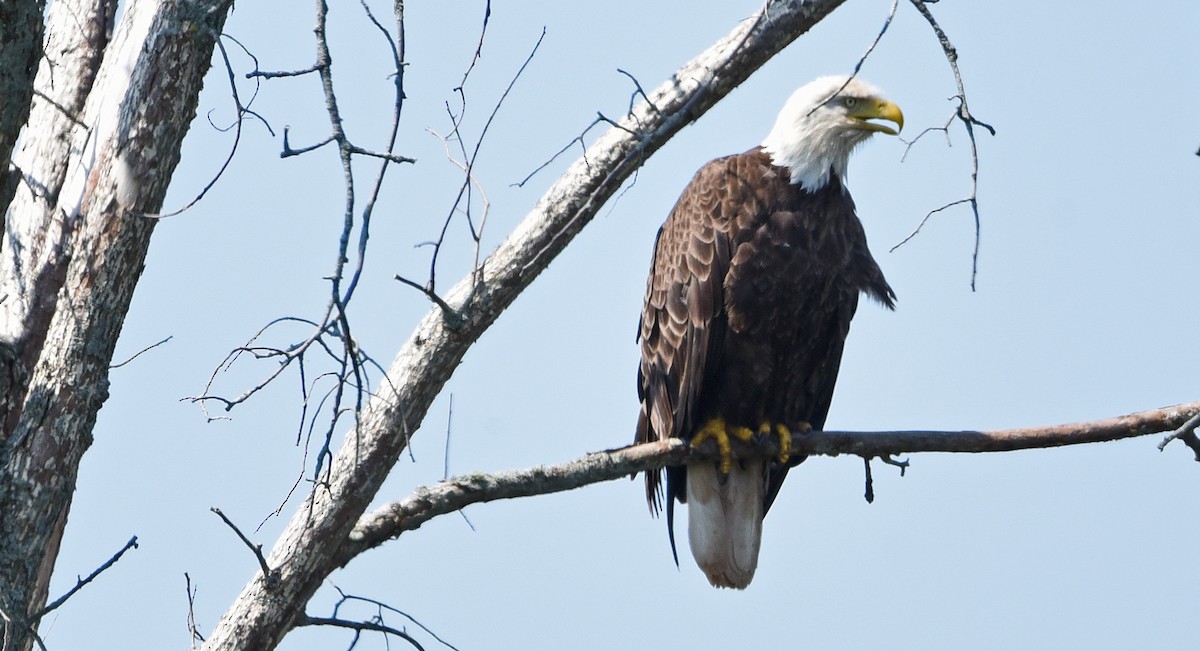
(969, 121)
(376, 623)
(332, 331)
(79, 583)
(305, 552)
(1186, 433)
(193, 631)
(141, 352)
(454, 494)
(358, 628)
(467, 164)
(241, 111)
(268, 573)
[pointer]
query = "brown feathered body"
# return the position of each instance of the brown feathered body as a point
(752, 288)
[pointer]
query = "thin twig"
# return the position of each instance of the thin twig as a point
(892, 461)
(446, 454)
(380, 608)
(452, 315)
(240, 111)
(1186, 433)
(79, 583)
(468, 165)
(963, 113)
(193, 630)
(269, 574)
(869, 492)
(139, 353)
(576, 140)
(309, 620)
(638, 91)
(887, 22)
(261, 74)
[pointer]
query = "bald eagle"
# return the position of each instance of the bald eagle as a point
(755, 277)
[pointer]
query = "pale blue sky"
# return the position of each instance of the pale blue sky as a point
(1085, 308)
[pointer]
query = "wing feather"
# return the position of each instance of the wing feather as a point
(683, 320)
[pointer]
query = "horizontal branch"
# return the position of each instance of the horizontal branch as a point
(305, 551)
(428, 502)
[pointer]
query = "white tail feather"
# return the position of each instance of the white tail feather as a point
(725, 521)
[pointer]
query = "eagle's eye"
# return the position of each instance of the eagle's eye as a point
(849, 102)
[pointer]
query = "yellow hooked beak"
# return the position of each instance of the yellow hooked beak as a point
(878, 109)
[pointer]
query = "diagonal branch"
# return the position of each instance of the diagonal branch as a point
(263, 614)
(428, 502)
(81, 582)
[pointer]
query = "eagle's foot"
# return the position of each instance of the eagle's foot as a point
(785, 437)
(719, 430)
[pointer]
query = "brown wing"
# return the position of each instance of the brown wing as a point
(683, 320)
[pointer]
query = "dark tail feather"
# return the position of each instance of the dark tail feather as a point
(671, 529)
(676, 492)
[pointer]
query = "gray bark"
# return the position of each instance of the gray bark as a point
(82, 235)
(305, 553)
(32, 264)
(20, 52)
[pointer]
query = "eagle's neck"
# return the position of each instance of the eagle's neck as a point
(810, 149)
(811, 155)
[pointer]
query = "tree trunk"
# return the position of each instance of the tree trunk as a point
(20, 52)
(78, 236)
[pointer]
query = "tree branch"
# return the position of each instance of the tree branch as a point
(268, 573)
(304, 553)
(80, 582)
(969, 121)
(428, 502)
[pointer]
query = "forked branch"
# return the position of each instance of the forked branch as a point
(969, 121)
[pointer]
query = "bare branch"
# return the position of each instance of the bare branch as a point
(332, 332)
(637, 92)
(309, 620)
(269, 574)
(240, 112)
(468, 163)
(1186, 433)
(574, 141)
(963, 113)
(288, 151)
(256, 73)
(140, 352)
(303, 553)
(869, 492)
(453, 318)
(193, 631)
(887, 22)
(454, 494)
(375, 624)
(79, 583)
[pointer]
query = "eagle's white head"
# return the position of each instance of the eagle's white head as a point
(822, 123)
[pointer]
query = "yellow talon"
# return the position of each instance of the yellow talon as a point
(785, 442)
(716, 428)
(785, 438)
(719, 430)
